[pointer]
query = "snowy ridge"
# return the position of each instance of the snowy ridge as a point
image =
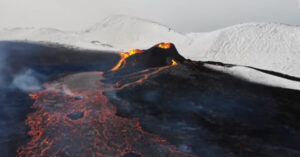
(73, 39)
(127, 32)
(256, 76)
(269, 46)
(262, 45)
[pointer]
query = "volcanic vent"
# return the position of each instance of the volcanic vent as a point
(160, 55)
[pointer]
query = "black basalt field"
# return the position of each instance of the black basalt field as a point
(210, 113)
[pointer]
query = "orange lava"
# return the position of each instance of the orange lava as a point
(140, 76)
(98, 132)
(174, 63)
(164, 45)
(124, 56)
(33, 96)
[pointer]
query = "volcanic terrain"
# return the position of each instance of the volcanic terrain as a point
(145, 103)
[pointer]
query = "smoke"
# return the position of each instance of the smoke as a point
(20, 75)
(57, 88)
(27, 81)
(23, 78)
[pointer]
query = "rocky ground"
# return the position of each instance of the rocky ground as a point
(159, 104)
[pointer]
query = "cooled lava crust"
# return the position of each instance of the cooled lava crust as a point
(156, 103)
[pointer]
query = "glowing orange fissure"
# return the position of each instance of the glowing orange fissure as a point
(174, 63)
(124, 56)
(164, 45)
(33, 96)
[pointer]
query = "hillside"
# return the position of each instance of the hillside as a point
(268, 46)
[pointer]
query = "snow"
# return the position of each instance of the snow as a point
(255, 76)
(127, 32)
(50, 35)
(269, 46)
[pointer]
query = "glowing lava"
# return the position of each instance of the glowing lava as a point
(165, 45)
(124, 56)
(174, 63)
(33, 96)
(98, 131)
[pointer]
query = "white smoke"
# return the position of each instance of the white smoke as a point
(27, 81)
(24, 79)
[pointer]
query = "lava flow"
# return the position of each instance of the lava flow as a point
(33, 96)
(124, 56)
(74, 118)
(84, 123)
(174, 63)
(165, 45)
(157, 56)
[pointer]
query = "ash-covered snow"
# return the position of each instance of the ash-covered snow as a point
(269, 46)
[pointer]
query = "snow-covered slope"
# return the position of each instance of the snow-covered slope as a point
(269, 46)
(256, 76)
(73, 39)
(127, 32)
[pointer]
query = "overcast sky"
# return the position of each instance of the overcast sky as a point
(181, 15)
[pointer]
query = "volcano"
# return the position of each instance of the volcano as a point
(203, 111)
(159, 55)
(154, 103)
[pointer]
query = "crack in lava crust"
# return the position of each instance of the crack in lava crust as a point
(97, 132)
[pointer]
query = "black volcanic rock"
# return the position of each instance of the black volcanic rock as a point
(207, 112)
(153, 57)
(75, 115)
(188, 107)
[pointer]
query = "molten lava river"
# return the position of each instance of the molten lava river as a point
(73, 118)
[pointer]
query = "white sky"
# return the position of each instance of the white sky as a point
(181, 15)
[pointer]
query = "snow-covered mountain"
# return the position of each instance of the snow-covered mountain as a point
(256, 76)
(73, 39)
(269, 46)
(130, 32)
